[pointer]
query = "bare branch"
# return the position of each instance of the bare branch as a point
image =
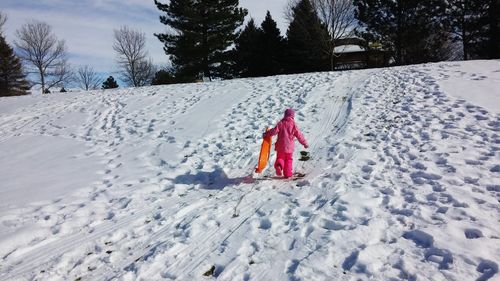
(60, 75)
(3, 19)
(338, 17)
(288, 11)
(40, 50)
(130, 46)
(87, 78)
(145, 72)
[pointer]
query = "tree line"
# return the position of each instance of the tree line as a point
(46, 64)
(208, 39)
(406, 31)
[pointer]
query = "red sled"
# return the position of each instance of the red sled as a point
(265, 152)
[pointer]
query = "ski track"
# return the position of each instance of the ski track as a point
(392, 156)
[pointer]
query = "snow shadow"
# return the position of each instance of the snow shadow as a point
(216, 179)
(488, 269)
(420, 238)
(350, 260)
(442, 257)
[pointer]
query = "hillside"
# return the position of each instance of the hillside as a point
(156, 183)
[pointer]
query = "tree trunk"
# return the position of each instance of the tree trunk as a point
(332, 68)
(132, 73)
(494, 43)
(464, 45)
(42, 80)
(464, 32)
(205, 67)
(332, 58)
(398, 44)
(206, 70)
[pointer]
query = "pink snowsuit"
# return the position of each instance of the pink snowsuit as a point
(287, 131)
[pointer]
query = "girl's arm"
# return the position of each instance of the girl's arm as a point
(300, 137)
(274, 131)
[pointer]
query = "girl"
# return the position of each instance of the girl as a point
(287, 131)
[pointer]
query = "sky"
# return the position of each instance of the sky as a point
(87, 25)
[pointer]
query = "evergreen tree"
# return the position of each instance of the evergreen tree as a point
(12, 79)
(63, 90)
(468, 20)
(305, 39)
(412, 30)
(110, 83)
(494, 32)
(163, 77)
(204, 31)
(248, 51)
(272, 47)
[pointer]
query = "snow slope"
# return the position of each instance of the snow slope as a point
(155, 183)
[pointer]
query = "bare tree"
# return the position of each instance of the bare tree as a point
(87, 78)
(44, 54)
(338, 17)
(130, 45)
(3, 19)
(288, 10)
(145, 72)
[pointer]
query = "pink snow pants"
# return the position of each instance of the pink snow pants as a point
(283, 164)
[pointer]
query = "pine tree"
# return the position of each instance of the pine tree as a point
(12, 79)
(272, 47)
(248, 51)
(412, 30)
(204, 31)
(305, 39)
(110, 83)
(468, 20)
(163, 77)
(494, 32)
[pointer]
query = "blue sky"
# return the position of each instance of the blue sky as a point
(87, 25)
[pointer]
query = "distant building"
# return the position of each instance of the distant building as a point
(356, 53)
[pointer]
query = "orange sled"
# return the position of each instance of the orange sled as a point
(265, 152)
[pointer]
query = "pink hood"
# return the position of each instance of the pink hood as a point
(287, 131)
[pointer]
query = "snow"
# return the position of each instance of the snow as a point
(48, 161)
(472, 81)
(348, 49)
(156, 183)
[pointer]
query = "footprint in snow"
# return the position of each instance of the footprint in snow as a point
(472, 233)
(440, 256)
(488, 270)
(420, 238)
(350, 261)
(495, 169)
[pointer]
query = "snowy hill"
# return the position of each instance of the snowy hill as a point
(156, 183)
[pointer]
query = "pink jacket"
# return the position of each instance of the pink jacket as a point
(287, 131)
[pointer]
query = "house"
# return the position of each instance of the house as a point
(356, 53)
